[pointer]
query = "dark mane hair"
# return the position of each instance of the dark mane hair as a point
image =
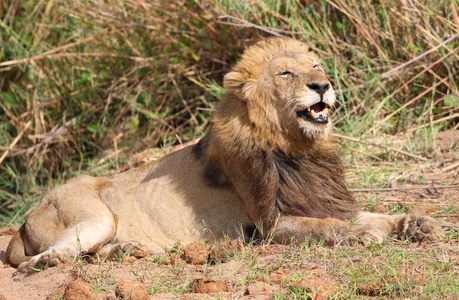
(313, 186)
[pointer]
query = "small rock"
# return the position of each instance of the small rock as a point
(76, 290)
(280, 276)
(370, 289)
(195, 253)
(131, 290)
(209, 285)
(222, 251)
(258, 288)
(173, 259)
(379, 208)
(320, 288)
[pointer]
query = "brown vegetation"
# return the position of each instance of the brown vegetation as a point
(90, 84)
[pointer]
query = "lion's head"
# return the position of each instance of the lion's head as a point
(268, 138)
(285, 88)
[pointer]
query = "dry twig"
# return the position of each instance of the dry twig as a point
(407, 188)
(15, 141)
(434, 122)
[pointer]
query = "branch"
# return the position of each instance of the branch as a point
(407, 188)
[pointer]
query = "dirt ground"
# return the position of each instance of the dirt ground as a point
(178, 277)
(270, 271)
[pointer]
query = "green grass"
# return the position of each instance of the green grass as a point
(141, 73)
(100, 279)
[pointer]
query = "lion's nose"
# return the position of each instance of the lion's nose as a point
(320, 88)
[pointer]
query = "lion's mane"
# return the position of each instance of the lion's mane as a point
(264, 157)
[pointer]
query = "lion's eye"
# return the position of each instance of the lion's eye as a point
(317, 67)
(286, 73)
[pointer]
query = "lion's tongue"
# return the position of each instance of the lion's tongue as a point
(316, 111)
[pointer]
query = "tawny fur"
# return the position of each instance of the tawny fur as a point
(261, 163)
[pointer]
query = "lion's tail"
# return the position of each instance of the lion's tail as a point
(15, 253)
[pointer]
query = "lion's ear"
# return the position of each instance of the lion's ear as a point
(234, 83)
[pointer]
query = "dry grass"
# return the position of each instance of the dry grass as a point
(83, 81)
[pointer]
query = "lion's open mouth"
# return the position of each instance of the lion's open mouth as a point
(317, 113)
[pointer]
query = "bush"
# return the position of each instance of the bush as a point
(78, 76)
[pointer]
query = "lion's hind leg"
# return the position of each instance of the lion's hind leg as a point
(85, 237)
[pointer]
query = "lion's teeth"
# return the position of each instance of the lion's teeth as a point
(313, 114)
(325, 111)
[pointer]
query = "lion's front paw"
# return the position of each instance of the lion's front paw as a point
(364, 234)
(418, 227)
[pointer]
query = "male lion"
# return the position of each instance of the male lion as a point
(267, 160)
